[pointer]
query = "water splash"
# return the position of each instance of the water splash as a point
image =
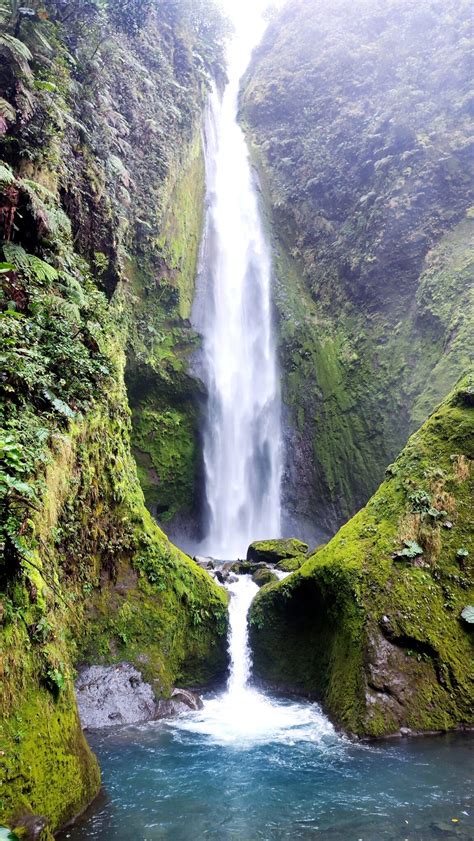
(242, 427)
(243, 716)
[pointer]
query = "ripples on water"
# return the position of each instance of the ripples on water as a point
(185, 781)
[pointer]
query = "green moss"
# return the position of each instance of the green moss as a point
(272, 551)
(381, 643)
(88, 574)
(291, 564)
(165, 451)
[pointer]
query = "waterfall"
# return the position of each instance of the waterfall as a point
(241, 429)
(242, 592)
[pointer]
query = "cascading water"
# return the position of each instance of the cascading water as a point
(243, 715)
(297, 779)
(242, 425)
(242, 430)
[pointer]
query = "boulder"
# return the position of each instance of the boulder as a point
(291, 564)
(264, 576)
(108, 696)
(181, 701)
(274, 551)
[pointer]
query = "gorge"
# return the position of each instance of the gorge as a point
(237, 310)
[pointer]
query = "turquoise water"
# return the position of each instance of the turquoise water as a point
(186, 781)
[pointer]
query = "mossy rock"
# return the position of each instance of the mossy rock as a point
(274, 551)
(291, 564)
(264, 576)
(382, 645)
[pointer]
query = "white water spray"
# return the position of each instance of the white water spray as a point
(243, 716)
(242, 429)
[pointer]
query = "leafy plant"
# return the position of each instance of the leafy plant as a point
(420, 501)
(55, 679)
(411, 550)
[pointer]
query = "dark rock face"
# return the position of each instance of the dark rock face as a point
(368, 184)
(110, 696)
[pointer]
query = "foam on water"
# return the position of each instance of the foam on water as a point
(243, 716)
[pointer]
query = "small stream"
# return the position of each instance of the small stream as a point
(251, 766)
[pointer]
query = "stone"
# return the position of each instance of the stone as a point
(181, 701)
(108, 696)
(264, 576)
(274, 551)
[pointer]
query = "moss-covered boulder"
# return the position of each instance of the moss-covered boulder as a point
(291, 564)
(264, 576)
(273, 551)
(371, 624)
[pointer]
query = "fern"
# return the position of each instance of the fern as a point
(19, 52)
(62, 308)
(42, 271)
(6, 174)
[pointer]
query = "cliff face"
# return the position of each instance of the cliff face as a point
(372, 624)
(99, 125)
(360, 131)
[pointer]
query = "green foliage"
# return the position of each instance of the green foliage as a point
(55, 679)
(420, 501)
(412, 550)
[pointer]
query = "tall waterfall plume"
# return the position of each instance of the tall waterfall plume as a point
(242, 425)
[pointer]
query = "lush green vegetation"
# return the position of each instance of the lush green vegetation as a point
(373, 624)
(86, 574)
(361, 130)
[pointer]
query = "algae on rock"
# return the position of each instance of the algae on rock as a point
(374, 632)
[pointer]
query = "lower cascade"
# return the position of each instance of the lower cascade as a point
(252, 765)
(243, 715)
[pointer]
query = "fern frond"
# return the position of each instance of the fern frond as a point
(42, 40)
(62, 308)
(17, 48)
(29, 263)
(6, 174)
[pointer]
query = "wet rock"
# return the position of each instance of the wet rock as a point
(264, 576)
(204, 562)
(108, 696)
(291, 564)
(274, 551)
(32, 828)
(181, 701)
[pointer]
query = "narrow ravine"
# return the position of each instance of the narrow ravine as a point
(242, 714)
(252, 764)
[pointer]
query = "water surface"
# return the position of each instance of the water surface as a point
(163, 782)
